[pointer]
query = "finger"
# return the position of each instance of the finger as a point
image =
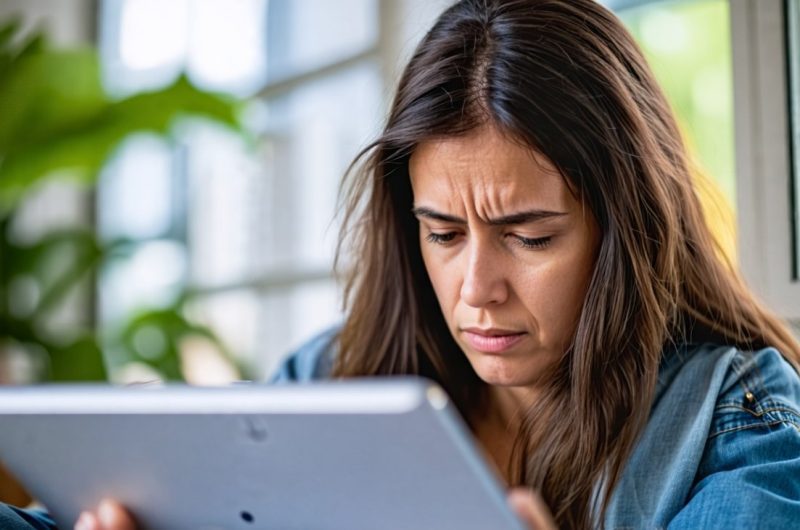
(531, 509)
(87, 521)
(114, 517)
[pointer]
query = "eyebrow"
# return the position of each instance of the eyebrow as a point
(529, 216)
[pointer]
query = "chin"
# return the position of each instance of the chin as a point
(497, 370)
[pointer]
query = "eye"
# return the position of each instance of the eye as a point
(532, 243)
(440, 239)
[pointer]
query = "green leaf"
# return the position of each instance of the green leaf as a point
(36, 43)
(77, 142)
(55, 119)
(173, 327)
(47, 95)
(155, 111)
(80, 361)
(7, 31)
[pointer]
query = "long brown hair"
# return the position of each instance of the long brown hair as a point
(566, 79)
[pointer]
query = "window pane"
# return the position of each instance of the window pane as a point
(227, 45)
(146, 44)
(687, 43)
(305, 34)
(136, 197)
(229, 196)
(251, 215)
(317, 130)
(152, 276)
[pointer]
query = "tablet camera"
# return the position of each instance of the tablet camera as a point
(247, 517)
(256, 430)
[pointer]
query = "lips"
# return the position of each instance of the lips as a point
(492, 340)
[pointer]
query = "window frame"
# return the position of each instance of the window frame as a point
(764, 176)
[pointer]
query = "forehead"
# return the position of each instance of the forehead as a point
(486, 166)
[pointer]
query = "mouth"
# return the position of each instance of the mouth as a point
(492, 340)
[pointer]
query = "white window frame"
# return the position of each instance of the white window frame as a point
(763, 152)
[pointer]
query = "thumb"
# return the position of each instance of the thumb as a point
(114, 517)
(530, 507)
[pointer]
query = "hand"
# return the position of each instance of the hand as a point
(109, 515)
(531, 509)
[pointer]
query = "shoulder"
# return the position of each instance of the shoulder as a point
(721, 445)
(313, 360)
(761, 390)
(749, 473)
(12, 518)
(749, 389)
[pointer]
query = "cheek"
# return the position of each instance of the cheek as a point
(554, 294)
(444, 281)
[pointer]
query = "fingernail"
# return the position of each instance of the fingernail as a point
(87, 521)
(80, 524)
(106, 512)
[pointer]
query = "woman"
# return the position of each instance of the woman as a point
(526, 233)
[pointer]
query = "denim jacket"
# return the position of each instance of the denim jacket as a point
(721, 448)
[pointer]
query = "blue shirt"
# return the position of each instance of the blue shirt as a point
(721, 448)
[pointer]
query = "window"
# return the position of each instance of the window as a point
(735, 59)
(247, 228)
(687, 44)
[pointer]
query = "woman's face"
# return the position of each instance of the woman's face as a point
(508, 249)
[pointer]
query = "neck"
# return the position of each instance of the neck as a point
(497, 424)
(508, 403)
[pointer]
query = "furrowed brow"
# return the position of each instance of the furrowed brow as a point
(521, 218)
(437, 216)
(530, 216)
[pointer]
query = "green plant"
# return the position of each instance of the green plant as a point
(56, 121)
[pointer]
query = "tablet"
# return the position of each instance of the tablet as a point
(375, 454)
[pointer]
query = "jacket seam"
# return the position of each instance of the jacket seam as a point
(760, 412)
(787, 422)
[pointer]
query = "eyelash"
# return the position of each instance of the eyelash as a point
(524, 242)
(533, 244)
(440, 239)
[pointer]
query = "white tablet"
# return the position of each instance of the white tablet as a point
(377, 454)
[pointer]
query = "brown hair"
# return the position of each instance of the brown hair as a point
(565, 78)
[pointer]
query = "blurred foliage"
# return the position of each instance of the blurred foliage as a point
(58, 122)
(156, 337)
(687, 44)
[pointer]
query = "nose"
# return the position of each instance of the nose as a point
(484, 281)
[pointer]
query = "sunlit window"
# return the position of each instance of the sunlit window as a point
(243, 224)
(687, 43)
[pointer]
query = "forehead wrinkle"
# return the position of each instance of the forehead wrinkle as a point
(485, 176)
(488, 183)
(508, 189)
(435, 180)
